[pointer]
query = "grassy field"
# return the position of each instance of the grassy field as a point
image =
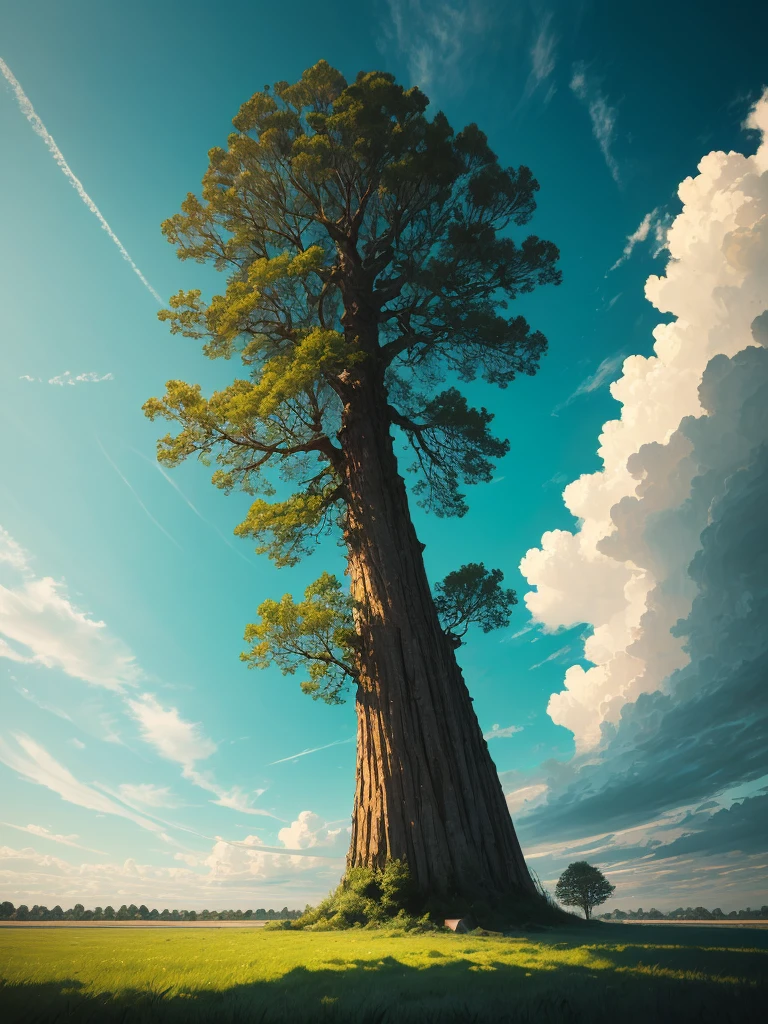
(606, 973)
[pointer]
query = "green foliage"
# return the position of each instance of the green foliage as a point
(368, 897)
(330, 199)
(318, 632)
(472, 594)
(582, 885)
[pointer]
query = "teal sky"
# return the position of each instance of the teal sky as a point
(139, 753)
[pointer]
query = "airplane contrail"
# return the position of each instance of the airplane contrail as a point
(29, 112)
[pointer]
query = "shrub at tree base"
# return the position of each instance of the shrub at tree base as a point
(389, 898)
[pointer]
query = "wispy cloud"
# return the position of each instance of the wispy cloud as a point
(34, 763)
(169, 479)
(11, 552)
(183, 742)
(653, 224)
(543, 59)
(172, 737)
(39, 128)
(131, 488)
(605, 372)
(312, 750)
(601, 113)
(497, 733)
(552, 657)
(433, 35)
(41, 620)
(147, 794)
(44, 833)
(28, 695)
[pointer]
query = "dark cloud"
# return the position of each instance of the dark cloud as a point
(708, 730)
(743, 827)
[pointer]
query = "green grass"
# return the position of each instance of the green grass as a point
(599, 974)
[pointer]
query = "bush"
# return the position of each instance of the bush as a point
(368, 898)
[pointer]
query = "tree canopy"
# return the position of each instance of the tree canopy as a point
(582, 885)
(335, 208)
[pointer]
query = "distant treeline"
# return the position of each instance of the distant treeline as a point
(133, 913)
(687, 914)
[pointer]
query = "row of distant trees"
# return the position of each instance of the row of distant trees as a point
(133, 913)
(687, 914)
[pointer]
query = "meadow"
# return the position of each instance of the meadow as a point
(598, 974)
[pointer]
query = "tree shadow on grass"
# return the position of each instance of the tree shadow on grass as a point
(610, 983)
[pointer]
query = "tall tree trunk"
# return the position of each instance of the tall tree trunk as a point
(427, 790)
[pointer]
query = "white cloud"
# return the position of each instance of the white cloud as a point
(82, 378)
(497, 733)
(560, 653)
(39, 128)
(625, 569)
(229, 875)
(653, 223)
(37, 616)
(526, 797)
(33, 762)
(148, 794)
(12, 553)
(184, 742)
(601, 113)
(306, 831)
(604, 373)
(171, 736)
(43, 833)
(312, 750)
(78, 744)
(434, 36)
(543, 60)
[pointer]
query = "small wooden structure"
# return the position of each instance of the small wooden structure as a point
(457, 924)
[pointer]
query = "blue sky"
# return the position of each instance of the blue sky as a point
(140, 758)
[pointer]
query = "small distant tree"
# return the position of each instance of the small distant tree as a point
(6, 910)
(22, 913)
(109, 913)
(582, 885)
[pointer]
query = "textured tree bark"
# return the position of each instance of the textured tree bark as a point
(427, 790)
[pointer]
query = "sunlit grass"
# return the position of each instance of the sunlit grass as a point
(152, 975)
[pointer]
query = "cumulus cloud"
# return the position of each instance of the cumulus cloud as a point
(308, 830)
(601, 114)
(670, 565)
(229, 874)
(680, 437)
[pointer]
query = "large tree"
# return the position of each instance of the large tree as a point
(369, 260)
